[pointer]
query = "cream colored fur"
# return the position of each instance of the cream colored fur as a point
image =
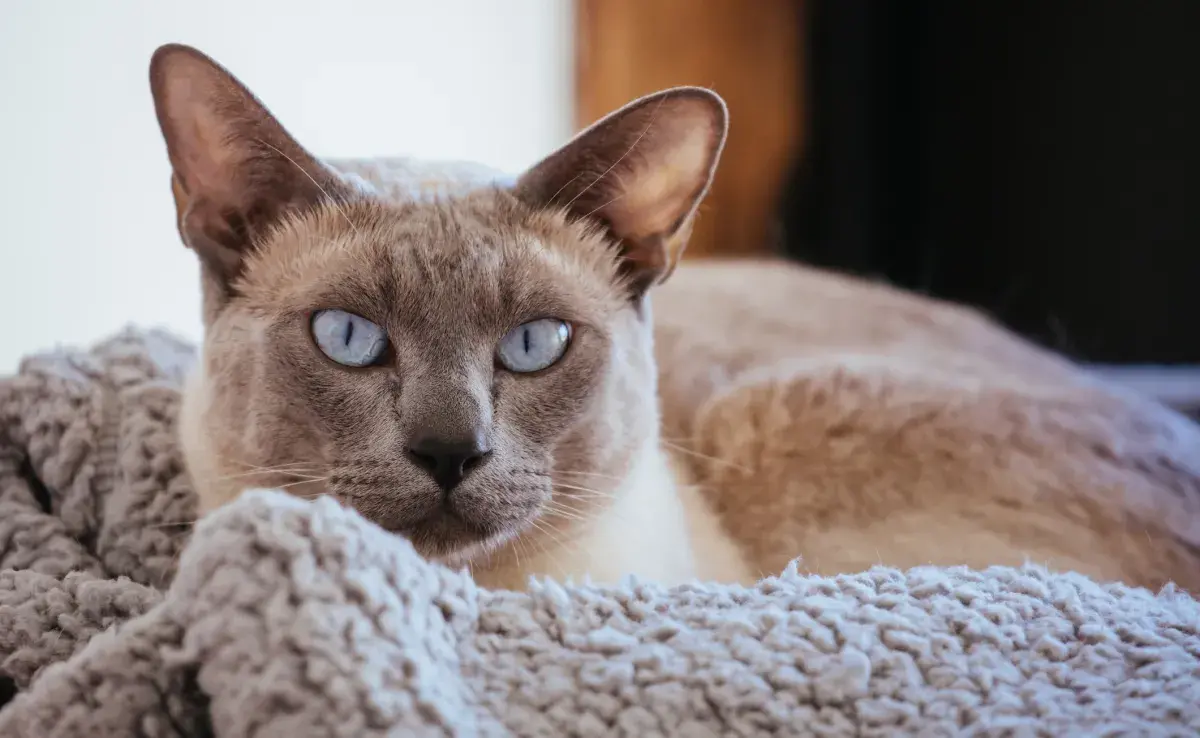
(816, 416)
(887, 428)
(659, 528)
(759, 412)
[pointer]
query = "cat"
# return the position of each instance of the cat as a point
(518, 375)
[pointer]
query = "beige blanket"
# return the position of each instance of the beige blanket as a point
(291, 618)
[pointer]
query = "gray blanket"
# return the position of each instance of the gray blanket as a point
(283, 617)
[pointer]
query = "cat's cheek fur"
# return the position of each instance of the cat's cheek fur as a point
(541, 407)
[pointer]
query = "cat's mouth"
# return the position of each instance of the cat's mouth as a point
(453, 529)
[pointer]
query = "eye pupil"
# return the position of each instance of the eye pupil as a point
(534, 346)
(348, 339)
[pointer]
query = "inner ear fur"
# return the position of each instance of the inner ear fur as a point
(641, 172)
(235, 170)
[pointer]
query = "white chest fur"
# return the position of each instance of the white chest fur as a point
(658, 528)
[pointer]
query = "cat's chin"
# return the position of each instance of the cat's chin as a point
(452, 540)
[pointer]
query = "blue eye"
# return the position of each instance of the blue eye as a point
(347, 338)
(534, 346)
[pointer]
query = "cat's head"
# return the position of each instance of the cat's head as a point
(452, 369)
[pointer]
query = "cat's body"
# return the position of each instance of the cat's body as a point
(751, 413)
(889, 428)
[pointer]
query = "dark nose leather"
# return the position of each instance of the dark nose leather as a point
(448, 461)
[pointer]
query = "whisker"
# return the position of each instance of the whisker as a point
(541, 546)
(302, 481)
(593, 474)
(697, 454)
(585, 504)
(570, 182)
(516, 549)
(564, 485)
(550, 532)
(315, 182)
(565, 512)
(598, 208)
(572, 489)
(250, 465)
(591, 508)
(265, 472)
(636, 141)
(289, 465)
(295, 469)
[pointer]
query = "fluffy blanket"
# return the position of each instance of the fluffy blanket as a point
(283, 617)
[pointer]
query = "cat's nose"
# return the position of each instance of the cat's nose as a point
(448, 461)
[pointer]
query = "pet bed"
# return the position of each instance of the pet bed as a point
(277, 616)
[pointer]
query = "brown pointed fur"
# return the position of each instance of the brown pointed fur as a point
(815, 415)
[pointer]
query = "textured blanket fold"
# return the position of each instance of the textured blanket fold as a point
(295, 618)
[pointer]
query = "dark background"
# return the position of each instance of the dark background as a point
(1040, 160)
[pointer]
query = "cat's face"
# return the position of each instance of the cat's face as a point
(455, 370)
(453, 290)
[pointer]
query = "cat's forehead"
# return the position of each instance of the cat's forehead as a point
(467, 258)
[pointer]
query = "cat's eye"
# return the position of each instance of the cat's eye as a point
(347, 338)
(534, 346)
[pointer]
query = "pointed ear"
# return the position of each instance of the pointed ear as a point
(641, 172)
(236, 171)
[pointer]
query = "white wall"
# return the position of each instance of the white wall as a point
(86, 221)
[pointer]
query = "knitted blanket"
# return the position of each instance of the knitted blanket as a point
(283, 617)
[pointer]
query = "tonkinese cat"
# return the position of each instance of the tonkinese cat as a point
(490, 367)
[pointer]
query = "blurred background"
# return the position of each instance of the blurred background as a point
(1039, 160)
(89, 239)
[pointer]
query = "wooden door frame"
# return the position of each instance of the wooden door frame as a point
(749, 52)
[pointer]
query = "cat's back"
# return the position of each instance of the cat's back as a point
(717, 320)
(852, 424)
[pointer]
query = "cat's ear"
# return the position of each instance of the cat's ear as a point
(641, 172)
(236, 171)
